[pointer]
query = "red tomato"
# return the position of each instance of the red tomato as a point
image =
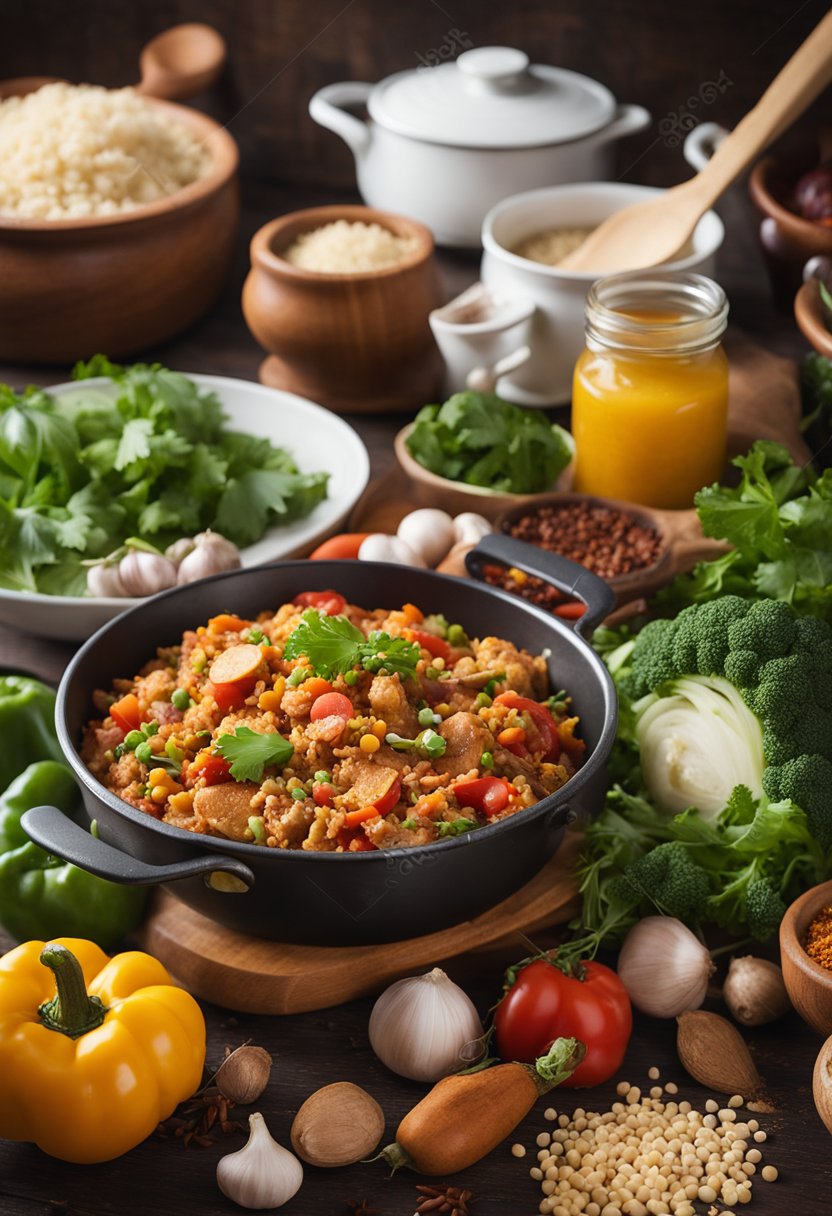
(389, 800)
(543, 1003)
(346, 837)
(329, 602)
(322, 793)
(547, 741)
(438, 647)
(570, 612)
(231, 695)
(332, 705)
(487, 794)
(215, 770)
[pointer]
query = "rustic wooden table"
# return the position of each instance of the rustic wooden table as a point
(314, 1049)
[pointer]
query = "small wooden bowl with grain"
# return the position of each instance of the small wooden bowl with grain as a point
(808, 984)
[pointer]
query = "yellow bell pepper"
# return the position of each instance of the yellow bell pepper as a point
(94, 1051)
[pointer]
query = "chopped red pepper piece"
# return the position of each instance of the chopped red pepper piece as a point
(435, 646)
(329, 602)
(231, 695)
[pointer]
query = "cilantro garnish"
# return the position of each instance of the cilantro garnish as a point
(249, 752)
(333, 645)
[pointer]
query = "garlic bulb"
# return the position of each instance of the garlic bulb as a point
(420, 1025)
(429, 532)
(180, 549)
(144, 573)
(664, 967)
(377, 547)
(264, 1174)
(104, 579)
(210, 554)
(754, 991)
(470, 528)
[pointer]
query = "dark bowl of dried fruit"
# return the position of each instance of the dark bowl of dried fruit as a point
(794, 198)
(635, 549)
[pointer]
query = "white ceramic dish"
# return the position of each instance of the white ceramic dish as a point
(444, 143)
(317, 439)
(556, 333)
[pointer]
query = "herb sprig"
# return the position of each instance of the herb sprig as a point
(332, 645)
(250, 752)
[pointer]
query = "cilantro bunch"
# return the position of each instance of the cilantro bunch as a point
(482, 440)
(332, 646)
(146, 455)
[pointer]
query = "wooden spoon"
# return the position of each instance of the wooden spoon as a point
(181, 62)
(652, 232)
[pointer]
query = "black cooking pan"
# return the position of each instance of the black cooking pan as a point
(339, 898)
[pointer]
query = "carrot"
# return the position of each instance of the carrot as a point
(353, 818)
(344, 545)
(317, 687)
(236, 663)
(511, 734)
(572, 611)
(227, 621)
(467, 1115)
(125, 713)
(413, 614)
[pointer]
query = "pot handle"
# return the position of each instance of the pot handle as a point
(701, 144)
(564, 574)
(61, 836)
(627, 120)
(326, 107)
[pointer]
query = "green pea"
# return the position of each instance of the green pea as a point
(432, 673)
(350, 677)
(143, 753)
(410, 824)
(483, 701)
(457, 636)
(487, 760)
(173, 752)
(299, 794)
(132, 740)
(180, 699)
(322, 775)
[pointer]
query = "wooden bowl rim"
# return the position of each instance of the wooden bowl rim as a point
(794, 924)
(295, 222)
(225, 159)
(808, 312)
(795, 225)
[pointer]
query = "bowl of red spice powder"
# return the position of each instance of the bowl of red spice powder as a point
(806, 956)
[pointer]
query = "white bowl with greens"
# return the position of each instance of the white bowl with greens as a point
(157, 455)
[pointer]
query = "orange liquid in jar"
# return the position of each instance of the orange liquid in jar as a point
(650, 428)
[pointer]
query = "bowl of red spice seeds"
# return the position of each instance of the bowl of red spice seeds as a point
(806, 956)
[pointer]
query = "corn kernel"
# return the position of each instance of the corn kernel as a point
(369, 744)
(182, 803)
(517, 576)
(442, 708)
(269, 700)
(379, 728)
(157, 776)
(159, 793)
(279, 686)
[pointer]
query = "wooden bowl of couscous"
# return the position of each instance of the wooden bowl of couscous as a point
(117, 221)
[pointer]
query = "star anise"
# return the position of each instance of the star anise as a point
(360, 1207)
(445, 1198)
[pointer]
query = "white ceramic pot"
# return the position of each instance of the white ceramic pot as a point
(444, 144)
(556, 328)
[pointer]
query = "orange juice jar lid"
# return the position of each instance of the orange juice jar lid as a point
(655, 312)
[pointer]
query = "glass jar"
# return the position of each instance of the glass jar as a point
(650, 392)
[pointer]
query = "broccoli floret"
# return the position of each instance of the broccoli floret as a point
(669, 879)
(782, 667)
(764, 909)
(806, 781)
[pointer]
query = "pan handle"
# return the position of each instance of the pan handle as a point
(64, 838)
(564, 574)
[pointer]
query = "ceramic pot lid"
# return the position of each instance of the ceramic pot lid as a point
(492, 97)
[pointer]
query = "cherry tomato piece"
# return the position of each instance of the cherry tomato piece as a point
(322, 793)
(354, 840)
(215, 770)
(386, 803)
(487, 794)
(332, 705)
(547, 742)
(232, 695)
(435, 646)
(328, 602)
(344, 545)
(570, 612)
(544, 1003)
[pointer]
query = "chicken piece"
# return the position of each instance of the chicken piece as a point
(296, 702)
(525, 674)
(368, 781)
(389, 701)
(291, 828)
(329, 729)
(518, 766)
(467, 738)
(225, 808)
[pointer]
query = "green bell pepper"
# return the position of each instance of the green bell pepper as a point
(43, 897)
(27, 725)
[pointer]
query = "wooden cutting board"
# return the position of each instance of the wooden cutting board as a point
(250, 975)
